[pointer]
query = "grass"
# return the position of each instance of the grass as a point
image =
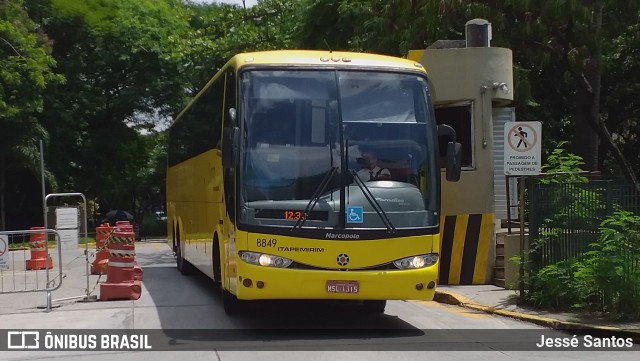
(25, 245)
(22, 245)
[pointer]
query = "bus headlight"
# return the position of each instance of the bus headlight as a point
(266, 260)
(421, 261)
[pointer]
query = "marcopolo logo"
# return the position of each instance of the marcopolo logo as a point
(330, 235)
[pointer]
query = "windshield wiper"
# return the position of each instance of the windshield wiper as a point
(372, 200)
(315, 198)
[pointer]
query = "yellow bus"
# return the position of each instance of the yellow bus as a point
(265, 192)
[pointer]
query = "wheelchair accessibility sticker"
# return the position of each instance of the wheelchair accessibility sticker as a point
(354, 214)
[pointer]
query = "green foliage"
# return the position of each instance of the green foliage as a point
(219, 31)
(565, 43)
(153, 227)
(621, 106)
(608, 279)
(15, 246)
(563, 167)
(121, 84)
(551, 286)
(26, 68)
(569, 204)
(147, 186)
(575, 267)
(386, 27)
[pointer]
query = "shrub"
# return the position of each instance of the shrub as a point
(153, 227)
(609, 277)
(553, 286)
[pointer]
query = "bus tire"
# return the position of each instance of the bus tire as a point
(173, 239)
(182, 264)
(232, 305)
(217, 268)
(374, 306)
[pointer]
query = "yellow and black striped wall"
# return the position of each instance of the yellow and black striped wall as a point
(465, 249)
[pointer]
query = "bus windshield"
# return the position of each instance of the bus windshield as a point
(337, 149)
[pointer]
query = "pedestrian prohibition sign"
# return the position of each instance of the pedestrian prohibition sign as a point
(4, 253)
(522, 150)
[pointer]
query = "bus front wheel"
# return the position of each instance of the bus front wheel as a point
(374, 306)
(217, 268)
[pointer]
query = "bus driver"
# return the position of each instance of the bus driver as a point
(370, 170)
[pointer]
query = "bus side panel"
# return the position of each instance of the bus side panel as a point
(194, 193)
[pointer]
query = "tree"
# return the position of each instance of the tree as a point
(25, 70)
(621, 108)
(571, 37)
(130, 67)
(148, 187)
(386, 27)
(219, 31)
(121, 82)
(325, 26)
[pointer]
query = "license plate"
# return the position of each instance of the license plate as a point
(343, 286)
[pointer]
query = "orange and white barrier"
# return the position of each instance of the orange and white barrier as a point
(128, 227)
(121, 283)
(103, 234)
(39, 254)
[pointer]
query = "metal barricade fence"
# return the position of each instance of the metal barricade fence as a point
(18, 278)
(564, 218)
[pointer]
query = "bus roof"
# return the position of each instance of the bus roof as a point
(320, 58)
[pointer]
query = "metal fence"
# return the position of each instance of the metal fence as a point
(26, 267)
(564, 219)
(20, 272)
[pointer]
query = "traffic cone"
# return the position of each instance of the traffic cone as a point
(137, 271)
(120, 282)
(99, 265)
(39, 254)
(128, 227)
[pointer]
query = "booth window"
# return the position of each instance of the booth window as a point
(458, 116)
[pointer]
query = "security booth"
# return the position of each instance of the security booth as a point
(471, 86)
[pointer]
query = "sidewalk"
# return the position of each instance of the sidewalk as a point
(503, 302)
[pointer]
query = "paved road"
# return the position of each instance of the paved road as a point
(185, 313)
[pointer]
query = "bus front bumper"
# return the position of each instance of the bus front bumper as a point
(256, 282)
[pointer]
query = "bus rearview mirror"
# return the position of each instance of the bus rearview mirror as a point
(231, 116)
(454, 152)
(454, 161)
